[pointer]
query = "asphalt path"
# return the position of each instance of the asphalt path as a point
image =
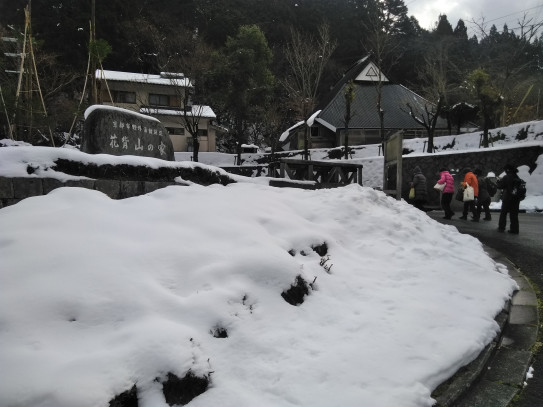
(525, 251)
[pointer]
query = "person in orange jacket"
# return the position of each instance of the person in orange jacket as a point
(470, 179)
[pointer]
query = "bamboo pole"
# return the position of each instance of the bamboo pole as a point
(6, 112)
(103, 77)
(87, 73)
(35, 68)
(20, 79)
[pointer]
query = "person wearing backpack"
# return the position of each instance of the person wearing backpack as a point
(510, 200)
(483, 200)
(491, 186)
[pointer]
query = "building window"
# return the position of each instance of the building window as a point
(159, 100)
(124, 97)
(176, 130)
(202, 133)
(356, 137)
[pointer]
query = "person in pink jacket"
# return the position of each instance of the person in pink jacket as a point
(448, 192)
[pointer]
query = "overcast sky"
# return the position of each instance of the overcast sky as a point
(497, 12)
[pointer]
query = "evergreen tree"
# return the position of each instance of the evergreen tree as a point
(444, 28)
(243, 81)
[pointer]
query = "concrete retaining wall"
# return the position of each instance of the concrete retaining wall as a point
(487, 160)
(13, 190)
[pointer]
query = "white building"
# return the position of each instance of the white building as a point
(166, 97)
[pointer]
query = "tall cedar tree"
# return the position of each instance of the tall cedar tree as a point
(243, 81)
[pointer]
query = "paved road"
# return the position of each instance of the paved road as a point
(526, 252)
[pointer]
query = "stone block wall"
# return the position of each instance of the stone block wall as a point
(487, 160)
(13, 190)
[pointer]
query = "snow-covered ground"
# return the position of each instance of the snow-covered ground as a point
(97, 295)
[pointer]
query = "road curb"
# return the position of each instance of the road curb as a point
(498, 374)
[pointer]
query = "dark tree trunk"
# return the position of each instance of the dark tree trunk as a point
(486, 125)
(430, 148)
(347, 143)
(195, 148)
(240, 139)
(306, 143)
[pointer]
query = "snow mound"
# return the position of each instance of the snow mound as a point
(99, 295)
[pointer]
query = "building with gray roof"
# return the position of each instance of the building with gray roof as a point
(328, 126)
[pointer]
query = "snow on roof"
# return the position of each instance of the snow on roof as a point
(463, 104)
(165, 78)
(197, 110)
(286, 133)
(326, 124)
(312, 118)
(91, 108)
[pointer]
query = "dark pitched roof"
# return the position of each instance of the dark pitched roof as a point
(364, 113)
(350, 74)
(394, 102)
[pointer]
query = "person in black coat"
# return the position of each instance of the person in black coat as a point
(483, 200)
(510, 203)
(421, 189)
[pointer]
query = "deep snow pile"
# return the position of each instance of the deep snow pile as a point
(98, 295)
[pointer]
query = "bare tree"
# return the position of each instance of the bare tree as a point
(528, 27)
(349, 97)
(427, 116)
(307, 57)
(194, 60)
(183, 52)
(509, 58)
(434, 74)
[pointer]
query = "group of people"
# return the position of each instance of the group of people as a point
(483, 190)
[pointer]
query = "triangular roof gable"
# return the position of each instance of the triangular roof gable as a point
(363, 70)
(350, 74)
(370, 74)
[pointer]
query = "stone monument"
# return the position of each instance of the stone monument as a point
(116, 131)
